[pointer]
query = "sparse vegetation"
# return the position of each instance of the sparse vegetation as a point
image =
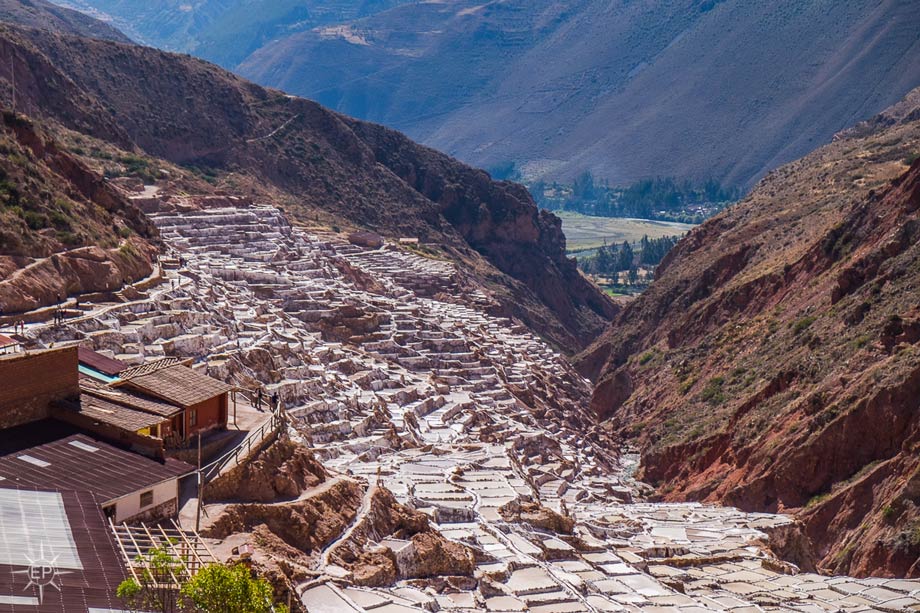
(816, 500)
(687, 385)
(713, 391)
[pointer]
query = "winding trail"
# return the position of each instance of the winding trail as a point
(275, 131)
(359, 517)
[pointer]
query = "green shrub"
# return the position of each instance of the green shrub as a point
(687, 385)
(713, 393)
(35, 221)
(862, 341)
(60, 220)
(803, 324)
(816, 500)
(68, 238)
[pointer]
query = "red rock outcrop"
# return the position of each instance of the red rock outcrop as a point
(307, 525)
(538, 516)
(774, 364)
(281, 471)
(426, 552)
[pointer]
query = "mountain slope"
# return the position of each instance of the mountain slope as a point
(223, 31)
(629, 90)
(48, 16)
(775, 362)
(322, 164)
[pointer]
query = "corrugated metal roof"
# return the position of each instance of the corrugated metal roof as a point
(88, 584)
(99, 362)
(109, 472)
(6, 341)
(179, 385)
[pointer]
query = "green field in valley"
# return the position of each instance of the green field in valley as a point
(584, 233)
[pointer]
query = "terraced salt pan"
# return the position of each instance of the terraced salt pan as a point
(458, 413)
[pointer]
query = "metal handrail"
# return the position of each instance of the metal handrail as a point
(272, 426)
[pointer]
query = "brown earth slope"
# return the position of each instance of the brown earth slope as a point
(195, 114)
(63, 230)
(775, 362)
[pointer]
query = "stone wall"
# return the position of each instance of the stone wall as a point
(32, 381)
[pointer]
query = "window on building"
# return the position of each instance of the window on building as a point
(146, 499)
(109, 511)
(192, 417)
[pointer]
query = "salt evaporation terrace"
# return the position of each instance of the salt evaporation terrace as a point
(361, 343)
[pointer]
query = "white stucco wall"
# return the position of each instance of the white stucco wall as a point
(128, 506)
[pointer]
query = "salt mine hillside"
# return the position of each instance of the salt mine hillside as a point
(257, 356)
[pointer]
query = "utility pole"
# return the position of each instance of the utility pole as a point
(13, 81)
(200, 488)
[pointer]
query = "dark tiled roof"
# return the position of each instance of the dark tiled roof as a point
(99, 362)
(114, 414)
(70, 463)
(92, 586)
(126, 397)
(179, 385)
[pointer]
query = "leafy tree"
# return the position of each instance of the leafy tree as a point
(633, 275)
(584, 188)
(625, 257)
(216, 588)
(230, 589)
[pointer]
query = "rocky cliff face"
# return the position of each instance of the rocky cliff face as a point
(775, 362)
(322, 165)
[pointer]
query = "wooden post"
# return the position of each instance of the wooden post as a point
(200, 488)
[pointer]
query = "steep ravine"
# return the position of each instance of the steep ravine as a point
(775, 362)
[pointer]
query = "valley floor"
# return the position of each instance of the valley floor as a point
(396, 375)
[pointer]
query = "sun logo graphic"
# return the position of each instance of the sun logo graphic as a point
(42, 572)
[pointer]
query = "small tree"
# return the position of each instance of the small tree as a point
(154, 590)
(633, 276)
(216, 588)
(230, 589)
